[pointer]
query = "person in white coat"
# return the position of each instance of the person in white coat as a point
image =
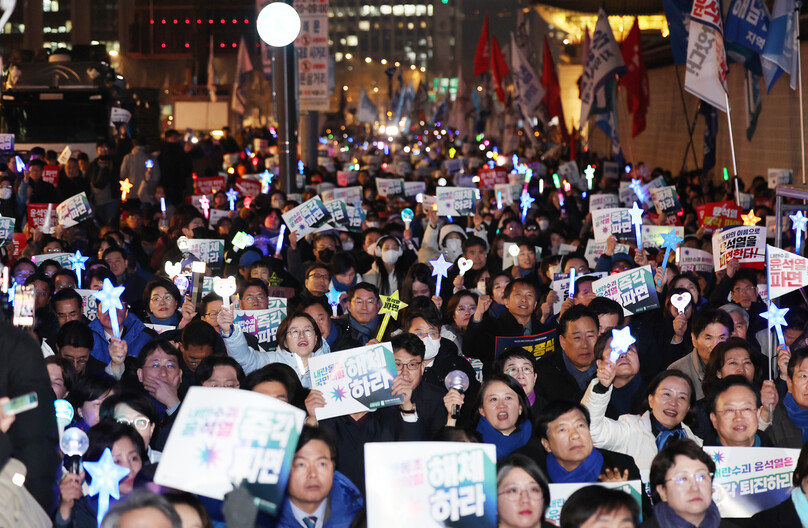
(670, 396)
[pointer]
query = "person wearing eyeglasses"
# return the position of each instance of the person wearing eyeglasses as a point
(137, 410)
(734, 406)
(681, 487)
(523, 494)
(254, 295)
(520, 364)
(219, 371)
(162, 300)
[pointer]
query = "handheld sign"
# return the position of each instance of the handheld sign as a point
(621, 340)
(172, 270)
(110, 299)
(391, 305)
(798, 224)
(106, 476)
(126, 186)
(224, 288)
(464, 264)
(77, 264)
(777, 320)
(333, 300)
(440, 268)
(636, 220)
(669, 241)
(681, 301)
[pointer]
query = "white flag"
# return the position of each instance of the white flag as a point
(706, 75)
(243, 67)
(211, 74)
(603, 61)
(366, 113)
(529, 91)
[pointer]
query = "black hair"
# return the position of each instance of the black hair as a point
(115, 249)
(154, 345)
(253, 282)
(312, 301)
(69, 374)
(716, 361)
(410, 343)
(723, 384)
(418, 272)
(41, 277)
(366, 286)
(176, 498)
(518, 282)
(199, 333)
(310, 433)
(100, 272)
(76, 334)
(604, 306)
(314, 267)
(206, 300)
(137, 400)
(657, 380)
(424, 308)
(579, 311)
(591, 500)
(666, 459)
(797, 357)
(105, 433)
(204, 371)
(283, 329)
(473, 241)
(801, 469)
(513, 352)
(90, 388)
(451, 305)
(279, 372)
(342, 262)
(67, 294)
(707, 316)
(67, 273)
(529, 466)
(448, 433)
(160, 282)
(553, 410)
(514, 386)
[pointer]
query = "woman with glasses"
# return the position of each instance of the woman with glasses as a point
(162, 300)
(457, 314)
(521, 365)
(137, 410)
(522, 493)
(682, 488)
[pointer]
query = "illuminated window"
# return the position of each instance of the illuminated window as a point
(364, 25)
(420, 10)
(429, 10)
(409, 10)
(351, 40)
(398, 10)
(385, 9)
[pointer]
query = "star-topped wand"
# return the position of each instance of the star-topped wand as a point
(636, 219)
(798, 224)
(621, 340)
(440, 268)
(669, 242)
(391, 305)
(77, 264)
(232, 196)
(777, 320)
(126, 186)
(333, 299)
(110, 299)
(106, 477)
(526, 202)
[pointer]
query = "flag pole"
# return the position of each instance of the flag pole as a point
(732, 149)
(797, 7)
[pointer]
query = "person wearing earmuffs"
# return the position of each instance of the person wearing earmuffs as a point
(390, 265)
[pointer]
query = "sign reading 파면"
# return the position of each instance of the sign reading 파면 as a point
(716, 215)
(248, 187)
(787, 272)
(50, 173)
(6, 230)
(603, 201)
(666, 200)
(6, 142)
(779, 177)
(224, 437)
(440, 483)
(633, 289)
(356, 216)
(74, 210)
(209, 185)
(751, 479)
(355, 380)
(308, 217)
(559, 494)
(616, 221)
(312, 54)
(339, 214)
(652, 234)
(696, 260)
(456, 201)
(561, 285)
(263, 324)
(539, 345)
(745, 243)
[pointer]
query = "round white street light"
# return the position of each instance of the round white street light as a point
(278, 24)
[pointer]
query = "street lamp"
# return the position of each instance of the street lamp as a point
(278, 25)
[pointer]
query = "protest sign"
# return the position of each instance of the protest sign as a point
(745, 243)
(349, 195)
(214, 215)
(223, 437)
(627, 195)
(751, 479)
(355, 380)
(159, 328)
(64, 155)
(390, 187)
(561, 285)
(566, 249)
(633, 289)
(611, 170)
(439, 484)
(119, 116)
(539, 345)
(456, 201)
(594, 250)
(695, 260)
(7, 143)
(713, 216)
(510, 192)
(74, 210)
(746, 201)
(61, 258)
(248, 187)
(559, 494)
(6, 230)
(666, 200)
(414, 188)
(452, 166)
(490, 177)
(652, 234)
(356, 216)
(308, 217)
(50, 173)
(20, 241)
(263, 324)
(345, 178)
(615, 221)
(569, 171)
(89, 303)
(339, 214)
(209, 185)
(465, 180)
(787, 272)
(779, 177)
(208, 250)
(603, 201)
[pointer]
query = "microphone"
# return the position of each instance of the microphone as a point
(459, 381)
(74, 444)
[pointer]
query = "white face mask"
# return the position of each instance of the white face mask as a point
(432, 347)
(347, 246)
(390, 256)
(5, 193)
(544, 224)
(454, 248)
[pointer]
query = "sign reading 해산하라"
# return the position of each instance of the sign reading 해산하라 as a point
(633, 289)
(441, 484)
(456, 201)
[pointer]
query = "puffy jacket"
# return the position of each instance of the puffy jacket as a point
(344, 502)
(133, 332)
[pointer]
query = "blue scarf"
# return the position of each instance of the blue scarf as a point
(798, 417)
(174, 320)
(505, 444)
(667, 518)
(800, 504)
(588, 471)
(664, 435)
(332, 335)
(366, 333)
(342, 288)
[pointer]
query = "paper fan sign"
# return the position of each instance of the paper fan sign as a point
(786, 271)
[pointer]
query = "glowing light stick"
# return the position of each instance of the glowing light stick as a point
(279, 243)
(126, 186)
(266, 181)
(798, 224)
(407, 215)
(636, 186)
(669, 242)
(556, 180)
(750, 219)
(777, 320)
(242, 240)
(110, 299)
(499, 199)
(636, 220)
(77, 264)
(106, 477)
(204, 203)
(621, 341)
(391, 305)
(440, 268)
(541, 186)
(163, 204)
(526, 201)
(590, 175)
(572, 282)
(232, 196)
(224, 288)
(333, 299)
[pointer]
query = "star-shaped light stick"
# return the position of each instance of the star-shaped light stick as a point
(266, 181)
(590, 175)
(204, 203)
(636, 219)
(126, 186)
(798, 224)
(621, 340)
(527, 201)
(669, 242)
(440, 268)
(391, 305)
(232, 196)
(777, 320)
(333, 299)
(110, 299)
(750, 219)
(106, 477)
(636, 186)
(77, 264)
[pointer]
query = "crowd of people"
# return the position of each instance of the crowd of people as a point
(698, 375)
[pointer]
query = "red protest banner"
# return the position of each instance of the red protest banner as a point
(247, 187)
(716, 215)
(37, 214)
(20, 241)
(490, 177)
(51, 174)
(209, 185)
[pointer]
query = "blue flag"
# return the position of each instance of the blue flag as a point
(779, 54)
(678, 15)
(748, 24)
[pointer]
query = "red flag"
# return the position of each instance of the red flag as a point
(552, 89)
(482, 57)
(498, 69)
(635, 79)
